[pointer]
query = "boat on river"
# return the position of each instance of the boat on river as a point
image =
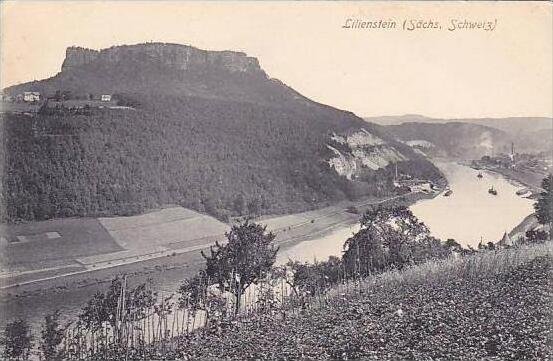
(492, 191)
(448, 193)
(479, 175)
(523, 192)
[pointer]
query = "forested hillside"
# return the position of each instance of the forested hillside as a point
(246, 147)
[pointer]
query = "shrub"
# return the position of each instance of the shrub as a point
(51, 337)
(17, 340)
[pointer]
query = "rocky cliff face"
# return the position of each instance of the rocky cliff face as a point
(182, 57)
(360, 151)
(77, 56)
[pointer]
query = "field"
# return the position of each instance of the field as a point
(37, 245)
(162, 228)
(38, 250)
(492, 306)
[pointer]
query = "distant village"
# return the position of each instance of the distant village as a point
(528, 168)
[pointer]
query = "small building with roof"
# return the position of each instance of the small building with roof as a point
(31, 96)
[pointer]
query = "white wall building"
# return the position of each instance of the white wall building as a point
(31, 96)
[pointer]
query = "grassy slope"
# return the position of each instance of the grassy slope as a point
(493, 306)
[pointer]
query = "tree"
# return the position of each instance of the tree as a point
(239, 204)
(192, 292)
(195, 294)
(254, 207)
(247, 257)
(116, 303)
(364, 252)
(544, 205)
(17, 340)
(389, 236)
(314, 278)
(453, 244)
(535, 236)
(66, 95)
(51, 337)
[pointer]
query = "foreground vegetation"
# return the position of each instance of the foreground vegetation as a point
(494, 306)
(487, 304)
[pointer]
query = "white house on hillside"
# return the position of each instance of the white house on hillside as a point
(106, 98)
(31, 96)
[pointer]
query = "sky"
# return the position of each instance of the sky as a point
(502, 72)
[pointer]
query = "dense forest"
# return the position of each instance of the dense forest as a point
(223, 158)
(226, 143)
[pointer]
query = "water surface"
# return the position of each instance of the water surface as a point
(470, 213)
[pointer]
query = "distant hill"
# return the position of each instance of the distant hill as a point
(459, 140)
(206, 130)
(470, 138)
(511, 125)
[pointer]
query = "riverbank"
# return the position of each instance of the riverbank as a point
(528, 179)
(290, 230)
(528, 223)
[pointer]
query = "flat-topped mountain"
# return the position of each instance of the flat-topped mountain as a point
(207, 130)
(158, 68)
(182, 57)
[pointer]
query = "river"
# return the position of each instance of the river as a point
(470, 213)
(467, 215)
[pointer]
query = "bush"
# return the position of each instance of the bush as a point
(310, 279)
(104, 307)
(51, 337)
(17, 340)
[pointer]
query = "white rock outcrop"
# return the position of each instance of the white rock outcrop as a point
(367, 152)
